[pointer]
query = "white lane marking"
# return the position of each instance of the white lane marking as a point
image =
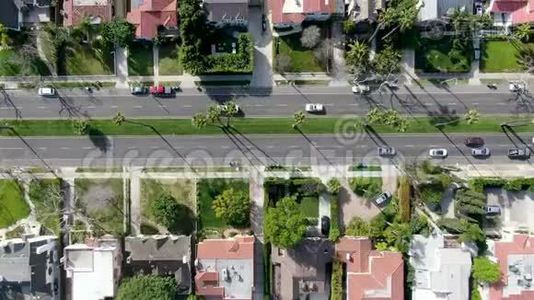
(293, 147)
(87, 148)
(281, 105)
(138, 106)
(451, 103)
(41, 148)
(65, 148)
(476, 103)
(270, 147)
(502, 103)
(91, 107)
(329, 104)
(354, 104)
(225, 147)
(14, 148)
(188, 106)
(114, 106)
(259, 105)
(409, 146)
(132, 147)
(42, 107)
(163, 106)
(6, 108)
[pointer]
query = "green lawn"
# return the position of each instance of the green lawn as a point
(182, 190)
(87, 60)
(46, 197)
(102, 202)
(207, 190)
(500, 56)
(12, 204)
(168, 60)
(13, 64)
(310, 207)
(487, 123)
(140, 59)
(434, 56)
(302, 59)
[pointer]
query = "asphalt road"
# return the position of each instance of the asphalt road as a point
(281, 101)
(252, 149)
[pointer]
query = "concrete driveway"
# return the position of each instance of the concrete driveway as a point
(516, 207)
(263, 49)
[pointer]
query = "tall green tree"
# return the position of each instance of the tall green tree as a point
(472, 116)
(119, 118)
(233, 207)
(398, 235)
(333, 186)
(522, 32)
(166, 210)
(193, 32)
(5, 40)
(147, 287)
(387, 60)
(285, 225)
(118, 32)
(486, 271)
(298, 119)
(357, 57)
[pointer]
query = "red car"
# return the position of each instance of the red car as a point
(161, 90)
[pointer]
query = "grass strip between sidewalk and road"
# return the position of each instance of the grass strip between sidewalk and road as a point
(487, 124)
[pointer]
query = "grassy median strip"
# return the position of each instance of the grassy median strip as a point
(326, 125)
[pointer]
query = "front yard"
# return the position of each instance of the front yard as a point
(45, 194)
(306, 192)
(169, 63)
(501, 56)
(440, 56)
(12, 204)
(300, 59)
(140, 59)
(84, 59)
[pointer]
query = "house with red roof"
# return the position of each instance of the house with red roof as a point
(287, 15)
(371, 274)
(225, 268)
(149, 16)
(97, 11)
(515, 257)
(512, 12)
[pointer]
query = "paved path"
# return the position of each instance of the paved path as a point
(257, 196)
(263, 50)
(121, 67)
(135, 200)
(337, 44)
(155, 58)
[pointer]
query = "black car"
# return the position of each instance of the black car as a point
(386, 151)
(263, 22)
(474, 142)
(139, 90)
(325, 225)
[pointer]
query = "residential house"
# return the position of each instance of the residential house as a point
(507, 13)
(95, 11)
(93, 269)
(227, 12)
(287, 15)
(15, 14)
(165, 255)
(151, 16)
(29, 268)
(225, 268)
(437, 9)
(365, 10)
(370, 274)
(515, 255)
(441, 268)
(301, 272)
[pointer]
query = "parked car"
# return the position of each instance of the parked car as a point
(161, 90)
(263, 22)
(138, 90)
(474, 142)
(438, 153)
(386, 151)
(382, 199)
(493, 210)
(47, 92)
(361, 89)
(516, 153)
(325, 225)
(479, 8)
(515, 86)
(480, 152)
(314, 107)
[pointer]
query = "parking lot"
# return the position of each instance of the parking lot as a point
(516, 207)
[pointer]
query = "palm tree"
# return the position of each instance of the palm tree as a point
(298, 118)
(199, 120)
(522, 32)
(118, 119)
(472, 116)
(357, 57)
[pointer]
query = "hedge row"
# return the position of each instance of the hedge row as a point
(335, 231)
(512, 185)
(240, 62)
(337, 281)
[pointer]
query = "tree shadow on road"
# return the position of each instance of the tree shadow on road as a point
(99, 139)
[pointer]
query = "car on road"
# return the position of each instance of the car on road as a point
(480, 152)
(493, 210)
(138, 90)
(314, 108)
(474, 142)
(516, 153)
(325, 225)
(161, 90)
(361, 89)
(226, 107)
(382, 199)
(386, 151)
(438, 153)
(47, 92)
(515, 86)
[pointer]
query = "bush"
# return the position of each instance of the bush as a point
(147, 287)
(420, 225)
(451, 225)
(349, 27)
(333, 186)
(233, 207)
(240, 62)
(337, 281)
(486, 271)
(357, 227)
(367, 187)
(431, 195)
(429, 168)
(335, 231)
(404, 192)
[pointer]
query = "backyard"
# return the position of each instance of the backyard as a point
(501, 56)
(83, 59)
(207, 190)
(301, 59)
(169, 63)
(440, 56)
(182, 190)
(12, 207)
(101, 204)
(140, 59)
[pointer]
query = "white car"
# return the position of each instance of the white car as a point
(47, 91)
(438, 153)
(360, 89)
(516, 86)
(225, 107)
(314, 107)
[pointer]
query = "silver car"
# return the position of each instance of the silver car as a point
(382, 199)
(481, 152)
(438, 153)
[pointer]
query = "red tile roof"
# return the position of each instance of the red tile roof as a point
(520, 244)
(152, 13)
(308, 6)
(369, 270)
(240, 247)
(207, 284)
(76, 11)
(522, 11)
